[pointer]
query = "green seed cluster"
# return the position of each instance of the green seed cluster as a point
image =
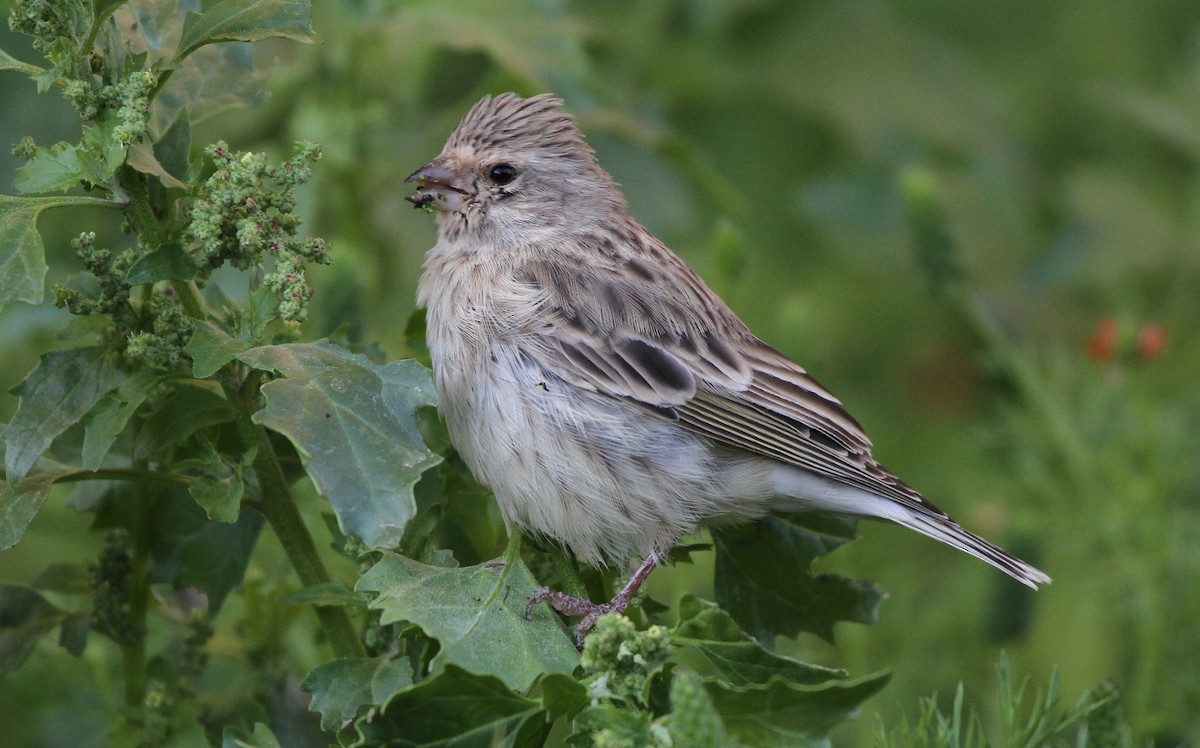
(623, 658)
(152, 332)
(130, 97)
(166, 330)
(244, 213)
(110, 573)
(53, 24)
(110, 272)
(694, 720)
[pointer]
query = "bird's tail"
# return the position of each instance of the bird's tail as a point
(946, 530)
(803, 490)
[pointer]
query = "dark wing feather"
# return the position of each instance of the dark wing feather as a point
(675, 347)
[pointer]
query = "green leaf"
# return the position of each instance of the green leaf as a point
(455, 708)
(340, 688)
(354, 423)
(210, 349)
(246, 21)
(168, 262)
(789, 715)
(19, 504)
(143, 158)
(65, 578)
(562, 695)
(262, 737)
(185, 411)
(24, 617)
(8, 62)
(22, 254)
(189, 551)
(107, 420)
(477, 614)
(64, 386)
(712, 642)
(216, 486)
(174, 149)
(99, 153)
(53, 169)
(763, 577)
(211, 80)
(102, 9)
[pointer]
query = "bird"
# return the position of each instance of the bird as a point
(609, 399)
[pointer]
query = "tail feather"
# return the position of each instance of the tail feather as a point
(799, 489)
(946, 530)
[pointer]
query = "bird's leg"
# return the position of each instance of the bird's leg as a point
(573, 605)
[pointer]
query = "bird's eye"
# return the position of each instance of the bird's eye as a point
(502, 174)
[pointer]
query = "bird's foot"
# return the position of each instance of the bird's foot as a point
(573, 605)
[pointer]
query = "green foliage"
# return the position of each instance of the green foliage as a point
(817, 163)
(1092, 722)
(195, 412)
(767, 603)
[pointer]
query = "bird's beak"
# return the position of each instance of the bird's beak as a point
(437, 185)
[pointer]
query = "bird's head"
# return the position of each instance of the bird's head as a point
(514, 165)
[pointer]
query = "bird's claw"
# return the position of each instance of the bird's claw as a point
(573, 605)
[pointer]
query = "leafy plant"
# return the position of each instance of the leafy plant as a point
(189, 413)
(1096, 721)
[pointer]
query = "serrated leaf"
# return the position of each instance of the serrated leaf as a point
(210, 348)
(340, 688)
(24, 617)
(19, 504)
(22, 254)
(189, 551)
(63, 387)
(454, 708)
(107, 420)
(789, 715)
(53, 169)
(477, 614)
(354, 423)
(712, 641)
(246, 21)
(763, 578)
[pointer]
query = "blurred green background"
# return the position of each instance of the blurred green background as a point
(765, 142)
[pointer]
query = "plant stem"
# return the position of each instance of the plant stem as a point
(133, 654)
(140, 211)
(280, 510)
(190, 299)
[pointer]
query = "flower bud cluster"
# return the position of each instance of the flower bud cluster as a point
(244, 213)
(153, 332)
(623, 658)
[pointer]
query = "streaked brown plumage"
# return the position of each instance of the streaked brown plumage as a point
(598, 387)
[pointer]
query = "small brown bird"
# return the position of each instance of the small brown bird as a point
(609, 399)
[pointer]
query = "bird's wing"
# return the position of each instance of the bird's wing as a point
(669, 344)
